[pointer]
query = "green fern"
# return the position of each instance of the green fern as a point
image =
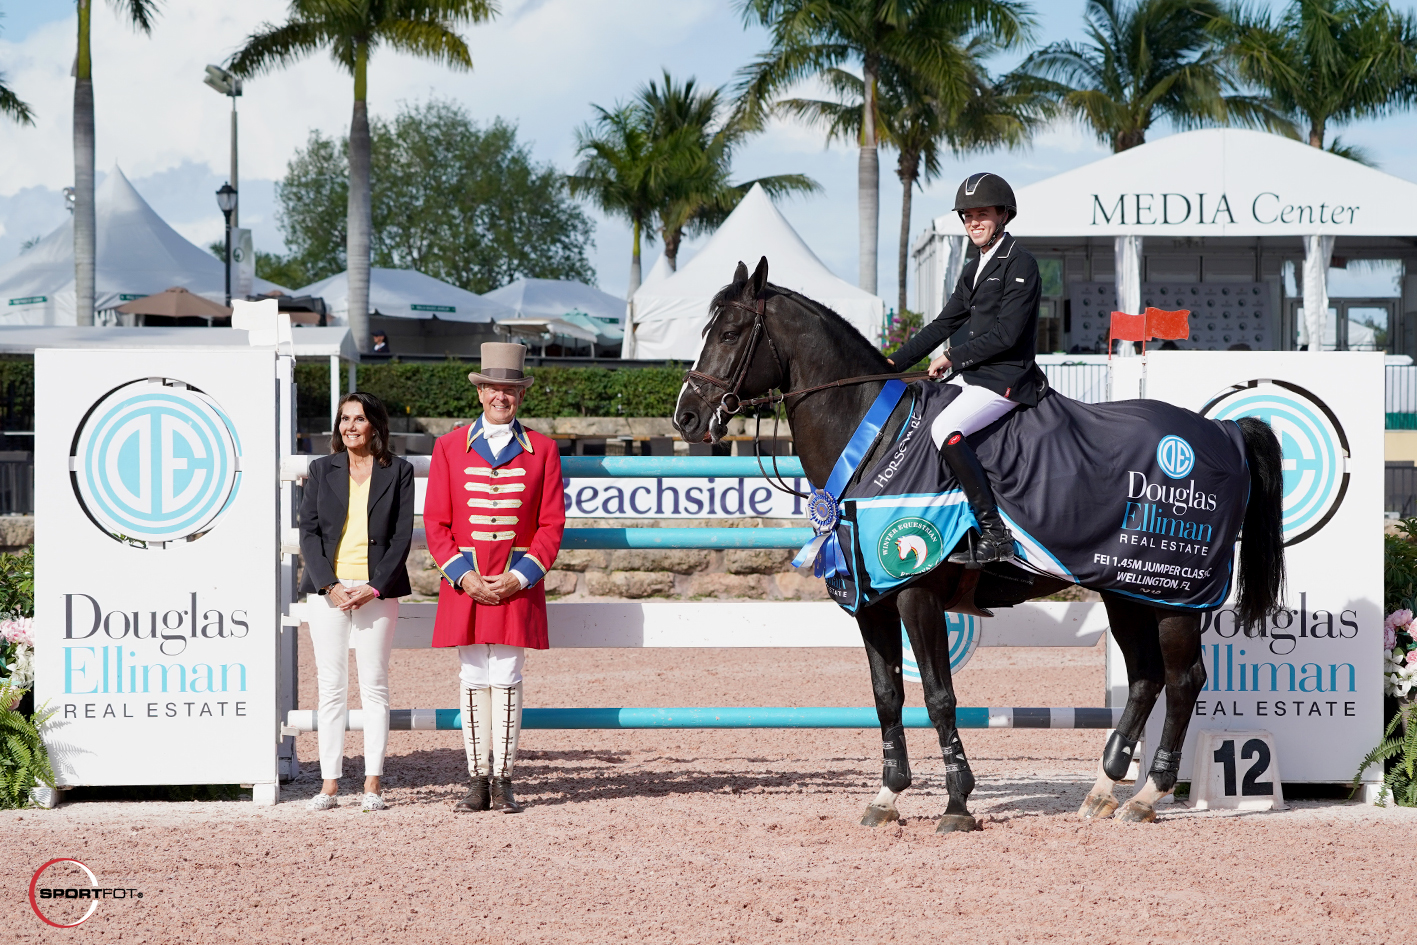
(24, 762)
(1401, 781)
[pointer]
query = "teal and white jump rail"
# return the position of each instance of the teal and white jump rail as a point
(307, 720)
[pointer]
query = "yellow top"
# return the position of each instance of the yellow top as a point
(352, 555)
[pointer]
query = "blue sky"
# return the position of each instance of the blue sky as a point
(541, 64)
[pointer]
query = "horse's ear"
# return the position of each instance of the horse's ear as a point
(760, 277)
(740, 275)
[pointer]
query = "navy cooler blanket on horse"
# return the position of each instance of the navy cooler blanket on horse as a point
(1138, 497)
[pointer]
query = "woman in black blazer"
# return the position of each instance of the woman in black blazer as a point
(356, 526)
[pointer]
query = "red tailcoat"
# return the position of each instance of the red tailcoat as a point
(493, 516)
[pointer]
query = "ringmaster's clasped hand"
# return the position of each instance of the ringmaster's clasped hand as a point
(478, 589)
(504, 585)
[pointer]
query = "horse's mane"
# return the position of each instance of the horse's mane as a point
(845, 334)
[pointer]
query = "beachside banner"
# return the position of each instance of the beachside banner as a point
(1312, 675)
(157, 559)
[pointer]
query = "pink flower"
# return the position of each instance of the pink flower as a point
(1412, 657)
(1398, 619)
(1389, 638)
(20, 630)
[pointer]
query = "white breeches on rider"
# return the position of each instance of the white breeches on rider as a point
(974, 409)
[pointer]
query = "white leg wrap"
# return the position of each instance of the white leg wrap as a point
(477, 730)
(507, 709)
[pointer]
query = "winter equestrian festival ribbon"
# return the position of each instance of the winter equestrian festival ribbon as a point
(824, 551)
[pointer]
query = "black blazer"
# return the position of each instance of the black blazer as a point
(1002, 313)
(322, 515)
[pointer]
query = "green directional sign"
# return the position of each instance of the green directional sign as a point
(128, 297)
(433, 308)
(30, 300)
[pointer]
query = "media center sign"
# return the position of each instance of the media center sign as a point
(157, 564)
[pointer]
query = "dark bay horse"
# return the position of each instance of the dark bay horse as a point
(762, 338)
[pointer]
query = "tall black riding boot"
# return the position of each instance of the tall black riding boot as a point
(995, 542)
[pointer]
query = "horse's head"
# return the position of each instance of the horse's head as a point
(738, 360)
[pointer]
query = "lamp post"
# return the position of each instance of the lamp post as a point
(228, 85)
(226, 200)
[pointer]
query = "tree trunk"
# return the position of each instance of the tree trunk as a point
(360, 212)
(85, 226)
(1316, 133)
(635, 261)
(672, 239)
(868, 182)
(909, 168)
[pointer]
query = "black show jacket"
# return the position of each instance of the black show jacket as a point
(1002, 313)
(322, 514)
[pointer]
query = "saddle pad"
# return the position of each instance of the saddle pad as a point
(1139, 497)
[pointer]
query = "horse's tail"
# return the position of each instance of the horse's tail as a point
(1261, 580)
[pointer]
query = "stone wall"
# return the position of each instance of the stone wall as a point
(16, 532)
(672, 575)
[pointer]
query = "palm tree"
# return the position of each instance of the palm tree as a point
(920, 120)
(352, 30)
(699, 194)
(1328, 61)
(1146, 60)
(625, 171)
(810, 37)
(11, 105)
(140, 13)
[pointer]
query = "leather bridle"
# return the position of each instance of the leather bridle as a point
(731, 403)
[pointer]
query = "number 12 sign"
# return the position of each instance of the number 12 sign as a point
(1236, 771)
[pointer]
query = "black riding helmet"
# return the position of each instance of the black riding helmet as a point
(986, 190)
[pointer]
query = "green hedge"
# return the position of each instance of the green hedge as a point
(441, 389)
(434, 389)
(17, 394)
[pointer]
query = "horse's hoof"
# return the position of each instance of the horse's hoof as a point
(1136, 812)
(876, 815)
(952, 823)
(1097, 806)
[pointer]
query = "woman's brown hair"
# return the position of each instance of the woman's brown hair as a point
(378, 418)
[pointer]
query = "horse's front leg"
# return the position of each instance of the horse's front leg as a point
(1133, 626)
(880, 629)
(923, 610)
(1179, 636)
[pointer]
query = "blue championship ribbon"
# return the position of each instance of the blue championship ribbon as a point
(824, 551)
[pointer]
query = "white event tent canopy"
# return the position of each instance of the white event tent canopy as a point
(668, 315)
(407, 293)
(138, 255)
(1217, 206)
(594, 315)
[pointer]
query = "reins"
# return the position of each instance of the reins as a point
(732, 403)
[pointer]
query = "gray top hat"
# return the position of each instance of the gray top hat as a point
(502, 363)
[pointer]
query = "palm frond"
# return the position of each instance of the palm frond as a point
(141, 13)
(11, 105)
(428, 38)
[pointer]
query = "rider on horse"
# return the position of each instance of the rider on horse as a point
(997, 297)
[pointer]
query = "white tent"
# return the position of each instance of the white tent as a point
(553, 298)
(407, 293)
(138, 255)
(659, 271)
(668, 315)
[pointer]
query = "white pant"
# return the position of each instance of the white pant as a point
(370, 631)
(491, 664)
(974, 409)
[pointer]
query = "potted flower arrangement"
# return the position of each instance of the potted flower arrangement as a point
(1398, 748)
(24, 763)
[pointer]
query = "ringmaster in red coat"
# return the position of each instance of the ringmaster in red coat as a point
(494, 514)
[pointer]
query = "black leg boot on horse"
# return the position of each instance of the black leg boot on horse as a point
(995, 542)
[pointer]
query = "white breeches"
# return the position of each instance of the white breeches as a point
(974, 409)
(369, 630)
(491, 664)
